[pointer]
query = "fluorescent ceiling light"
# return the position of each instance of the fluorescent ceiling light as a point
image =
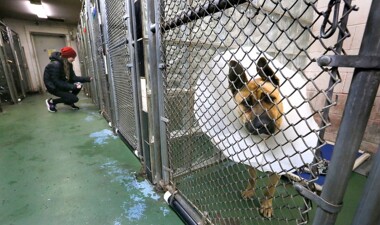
(38, 9)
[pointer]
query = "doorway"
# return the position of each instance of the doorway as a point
(45, 44)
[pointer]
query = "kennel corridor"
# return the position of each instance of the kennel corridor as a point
(67, 168)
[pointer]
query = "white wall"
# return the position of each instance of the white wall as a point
(356, 24)
(24, 29)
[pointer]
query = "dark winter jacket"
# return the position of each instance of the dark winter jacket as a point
(55, 78)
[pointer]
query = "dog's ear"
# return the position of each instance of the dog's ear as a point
(237, 78)
(265, 72)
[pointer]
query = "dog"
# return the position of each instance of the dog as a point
(260, 109)
(253, 109)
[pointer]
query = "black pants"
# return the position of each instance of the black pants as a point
(66, 97)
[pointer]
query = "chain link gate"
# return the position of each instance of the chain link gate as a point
(121, 69)
(87, 61)
(98, 54)
(246, 103)
(110, 36)
(102, 63)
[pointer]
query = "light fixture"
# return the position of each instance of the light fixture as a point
(37, 8)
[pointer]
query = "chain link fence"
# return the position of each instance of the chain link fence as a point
(238, 96)
(87, 62)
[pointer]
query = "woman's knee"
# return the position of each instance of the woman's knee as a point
(71, 100)
(75, 99)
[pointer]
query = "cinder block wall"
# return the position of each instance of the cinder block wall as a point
(356, 25)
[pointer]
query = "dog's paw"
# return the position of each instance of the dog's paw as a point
(248, 193)
(266, 208)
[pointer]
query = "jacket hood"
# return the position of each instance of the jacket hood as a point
(55, 56)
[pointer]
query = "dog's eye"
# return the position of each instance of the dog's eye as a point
(267, 98)
(247, 102)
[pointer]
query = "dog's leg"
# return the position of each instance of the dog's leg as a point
(249, 192)
(266, 208)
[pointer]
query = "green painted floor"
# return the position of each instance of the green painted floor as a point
(67, 168)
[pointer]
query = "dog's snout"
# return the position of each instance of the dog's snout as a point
(261, 125)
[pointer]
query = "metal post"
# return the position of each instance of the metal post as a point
(203, 10)
(161, 69)
(360, 99)
(154, 113)
(139, 60)
(367, 212)
(135, 73)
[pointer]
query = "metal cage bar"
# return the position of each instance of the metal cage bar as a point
(366, 212)
(154, 85)
(134, 21)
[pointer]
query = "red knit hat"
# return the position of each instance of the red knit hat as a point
(67, 52)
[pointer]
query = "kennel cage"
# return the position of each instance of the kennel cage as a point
(102, 81)
(87, 60)
(208, 149)
(197, 145)
(7, 88)
(21, 62)
(14, 78)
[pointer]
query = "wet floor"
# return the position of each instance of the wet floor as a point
(67, 168)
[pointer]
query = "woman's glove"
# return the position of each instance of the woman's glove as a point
(77, 85)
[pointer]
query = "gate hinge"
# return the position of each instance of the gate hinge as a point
(323, 204)
(354, 61)
(164, 119)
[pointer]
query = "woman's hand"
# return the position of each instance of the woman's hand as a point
(78, 85)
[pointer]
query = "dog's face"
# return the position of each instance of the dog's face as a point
(259, 101)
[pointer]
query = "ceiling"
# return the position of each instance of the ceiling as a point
(61, 11)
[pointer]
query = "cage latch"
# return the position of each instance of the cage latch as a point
(323, 204)
(354, 61)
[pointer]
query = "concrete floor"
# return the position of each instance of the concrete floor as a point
(67, 168)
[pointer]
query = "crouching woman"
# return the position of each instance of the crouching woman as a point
(60, 79)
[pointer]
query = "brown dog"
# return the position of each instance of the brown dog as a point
(260, 110)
